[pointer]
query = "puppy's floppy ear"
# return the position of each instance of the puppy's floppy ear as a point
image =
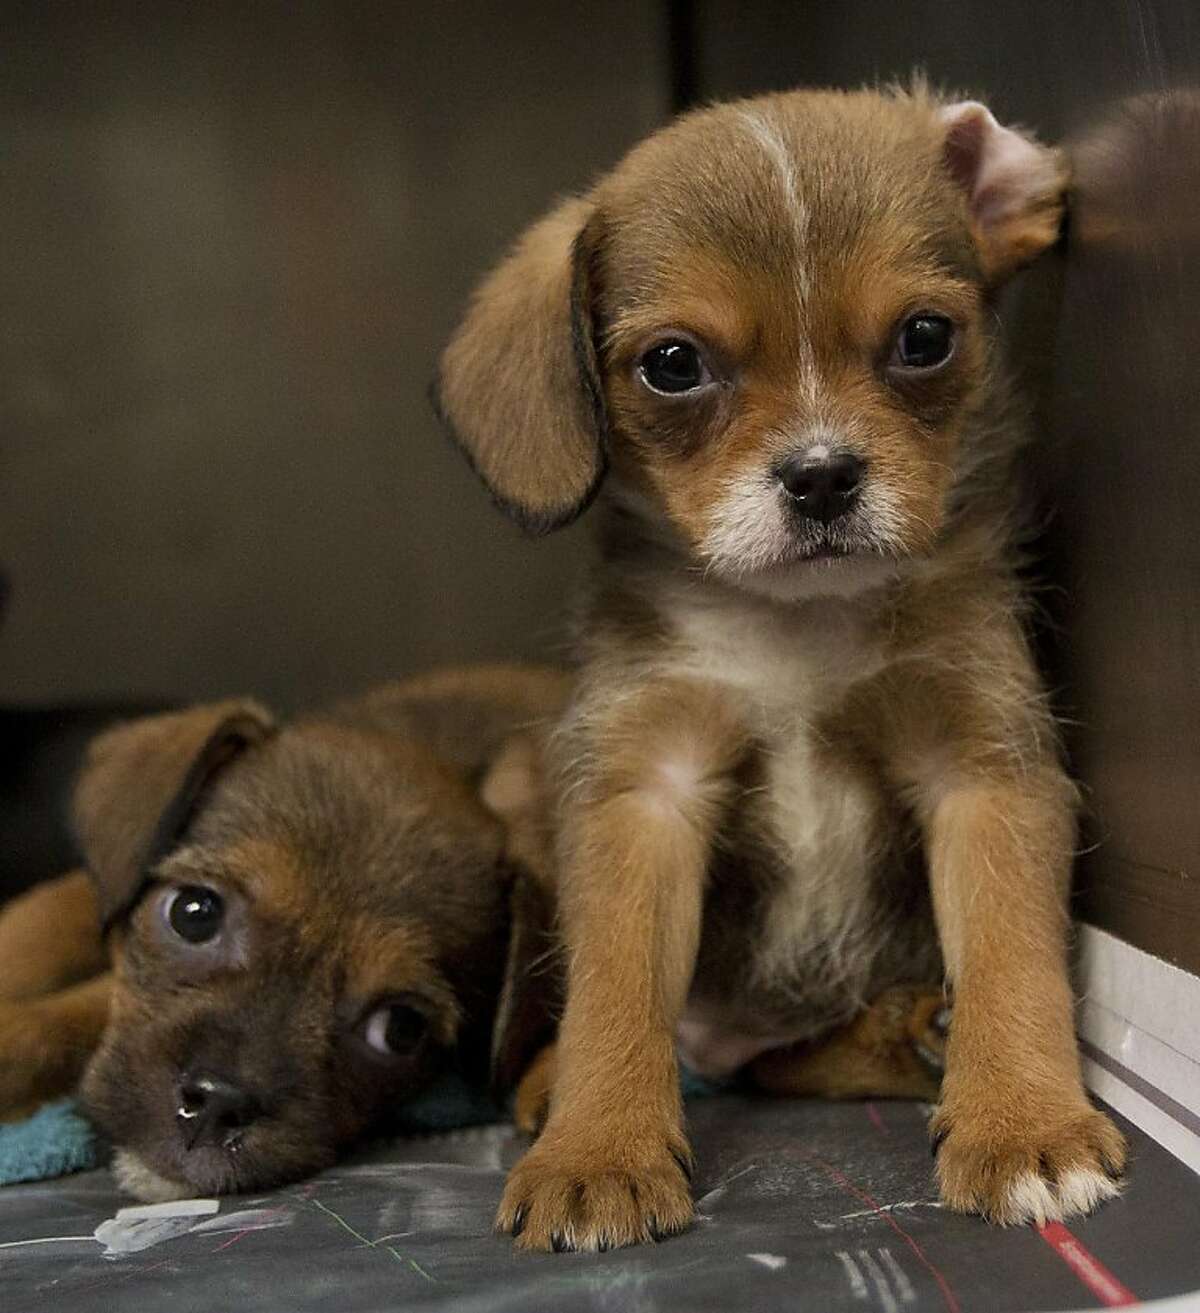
(141, 783)
(519, 384)
(1016, 188)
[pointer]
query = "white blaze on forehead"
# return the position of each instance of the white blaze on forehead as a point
(769, 140)
(767, 135)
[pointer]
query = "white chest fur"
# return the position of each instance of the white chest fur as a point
(787, 667)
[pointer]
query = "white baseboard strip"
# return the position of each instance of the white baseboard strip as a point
(1139, 1027)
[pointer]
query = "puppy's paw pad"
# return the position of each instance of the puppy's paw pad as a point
(550, 1203)
(1040, 1176)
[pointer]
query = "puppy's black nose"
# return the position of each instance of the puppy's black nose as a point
(823, 489)
(212, 1110)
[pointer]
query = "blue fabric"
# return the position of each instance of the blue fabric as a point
(54, 1141)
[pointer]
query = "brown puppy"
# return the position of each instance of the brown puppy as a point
(307, 923)
(809, 748)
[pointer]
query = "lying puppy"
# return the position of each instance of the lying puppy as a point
(307, 925)
(808, 750)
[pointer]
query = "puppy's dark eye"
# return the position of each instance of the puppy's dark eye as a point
(395, 1029)
(925, 340)
(673, 367)
(195, 913)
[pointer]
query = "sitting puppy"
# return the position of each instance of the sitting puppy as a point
(808, 754)
(307, 925)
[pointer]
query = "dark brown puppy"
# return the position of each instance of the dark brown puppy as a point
(808, 755)
(307, 925)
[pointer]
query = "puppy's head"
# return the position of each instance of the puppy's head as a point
(768, 326)
(308, 926)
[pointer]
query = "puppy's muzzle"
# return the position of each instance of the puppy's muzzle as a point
(213, 1111)
(824, 489)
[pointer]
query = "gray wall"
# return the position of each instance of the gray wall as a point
(233, 239)
(1108, 334)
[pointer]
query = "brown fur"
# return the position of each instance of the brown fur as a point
(764, 742)
(893, 1050)
(357, 868)
(50, 938)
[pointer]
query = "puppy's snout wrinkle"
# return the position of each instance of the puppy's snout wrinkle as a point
(213, 1110)
(823, 489)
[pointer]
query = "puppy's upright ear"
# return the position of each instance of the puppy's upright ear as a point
(1016, 187)
(519, 384)
(141, 783)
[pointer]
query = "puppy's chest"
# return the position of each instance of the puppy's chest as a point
(811, 802)
(807, 901)
(797, 887)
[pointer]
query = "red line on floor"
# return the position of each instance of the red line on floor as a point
(948, 1296)
(876, 1119)
(1087, 1267)
(233, 1239)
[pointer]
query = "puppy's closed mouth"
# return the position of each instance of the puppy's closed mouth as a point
(825, 552)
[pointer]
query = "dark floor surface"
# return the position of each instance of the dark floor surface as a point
(802, 1206)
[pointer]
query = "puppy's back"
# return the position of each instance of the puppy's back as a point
(462, 714)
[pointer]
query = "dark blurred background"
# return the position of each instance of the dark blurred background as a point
(234, 237)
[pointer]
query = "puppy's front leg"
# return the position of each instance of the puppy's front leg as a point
(611, 1167)
(1019, 1140)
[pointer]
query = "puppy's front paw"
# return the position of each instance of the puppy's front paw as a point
(602, 1193)
(1031, 1168)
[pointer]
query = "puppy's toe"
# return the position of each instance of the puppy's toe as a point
(929, 1027)
(563, 1200)
(1032, 1170)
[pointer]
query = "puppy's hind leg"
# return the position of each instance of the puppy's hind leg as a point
(50, 937)
(45, 1044)
(892, 1050)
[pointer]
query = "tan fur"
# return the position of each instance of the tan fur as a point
(54, 992)
(544, 279)
(777, 718)
(649, 818)
(49, 938)
(45, 1044)
(893, 1050)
